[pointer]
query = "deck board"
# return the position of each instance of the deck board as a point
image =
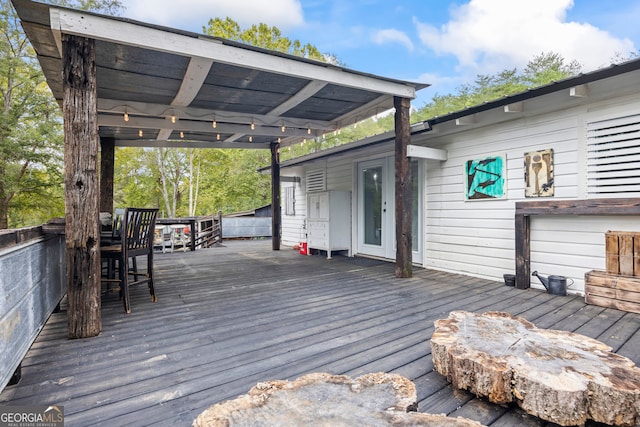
(229, 317)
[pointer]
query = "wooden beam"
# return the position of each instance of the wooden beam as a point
(523, 251)
(192, 82)
(142, 143)
(276, 220)
(426, 153)
(404, 193)
(202, 126)
(82, 233)
(193, 45)
(305, 93)
(160, 110)
(107, 162)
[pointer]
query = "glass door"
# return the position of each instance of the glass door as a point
(373, 212)
(376, 212)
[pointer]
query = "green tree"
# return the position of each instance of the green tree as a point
(541, 70)
(30, 131)
(262, 35)
(30, 126)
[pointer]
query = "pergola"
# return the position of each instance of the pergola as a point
(126, 83)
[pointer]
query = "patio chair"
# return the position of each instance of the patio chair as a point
(136, 240)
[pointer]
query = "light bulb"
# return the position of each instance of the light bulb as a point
(218, 137)
(253, 125)
(140, 133)
(126, 116)
(181, 134)
(250, 138)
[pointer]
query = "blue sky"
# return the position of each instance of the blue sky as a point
(439, 42)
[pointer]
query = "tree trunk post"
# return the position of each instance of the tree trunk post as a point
(404, 193)
(523, 251)
(275, 196)
(107, 162)
(82, 231)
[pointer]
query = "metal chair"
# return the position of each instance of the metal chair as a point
(136, 240)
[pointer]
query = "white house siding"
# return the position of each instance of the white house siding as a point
(572, 245)
(340, 176)
(477, 237)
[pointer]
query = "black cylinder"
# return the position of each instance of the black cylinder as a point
(509, 279)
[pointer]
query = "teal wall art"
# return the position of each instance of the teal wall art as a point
(485, 178)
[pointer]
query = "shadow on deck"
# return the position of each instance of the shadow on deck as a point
(231, 316)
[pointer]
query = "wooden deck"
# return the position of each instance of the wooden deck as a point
(229, 317)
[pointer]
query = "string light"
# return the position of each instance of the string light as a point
(215, 123)
(253, 125)
(308, 130)
(140, 133)
(250, 138)
(173, 116)
(279, 140)
(283, 128)
(181, 134)
(218, 137)
(126, 115)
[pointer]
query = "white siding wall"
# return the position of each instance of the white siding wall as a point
(477, 237)
(340, 170)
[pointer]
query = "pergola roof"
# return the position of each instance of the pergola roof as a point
(184, 89)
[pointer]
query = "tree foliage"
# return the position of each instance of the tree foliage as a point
(30, 131)
(543, 69)
(31, 139)
(262, 35)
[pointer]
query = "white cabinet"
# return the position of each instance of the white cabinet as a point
(329, 221)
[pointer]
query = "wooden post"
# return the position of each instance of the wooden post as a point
(107, 161)
(404, 194)
(523, 251)
(275, 196)
(82, 231)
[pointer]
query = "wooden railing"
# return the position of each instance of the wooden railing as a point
(28, 295)
(210, 232)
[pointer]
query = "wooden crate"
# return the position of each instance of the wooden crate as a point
(612, 290)
(623, 253)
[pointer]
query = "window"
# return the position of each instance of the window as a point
(290, 201)
(613, 157)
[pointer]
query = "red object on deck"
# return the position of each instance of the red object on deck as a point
(303, 248)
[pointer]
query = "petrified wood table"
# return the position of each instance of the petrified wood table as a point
(558, 376)
(327, 400)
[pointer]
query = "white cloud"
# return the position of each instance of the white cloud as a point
(492, 35)
(192, 15)
(393, 36)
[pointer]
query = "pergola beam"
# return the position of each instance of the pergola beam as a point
(147, 37)
(204, 115)
(202, 127)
